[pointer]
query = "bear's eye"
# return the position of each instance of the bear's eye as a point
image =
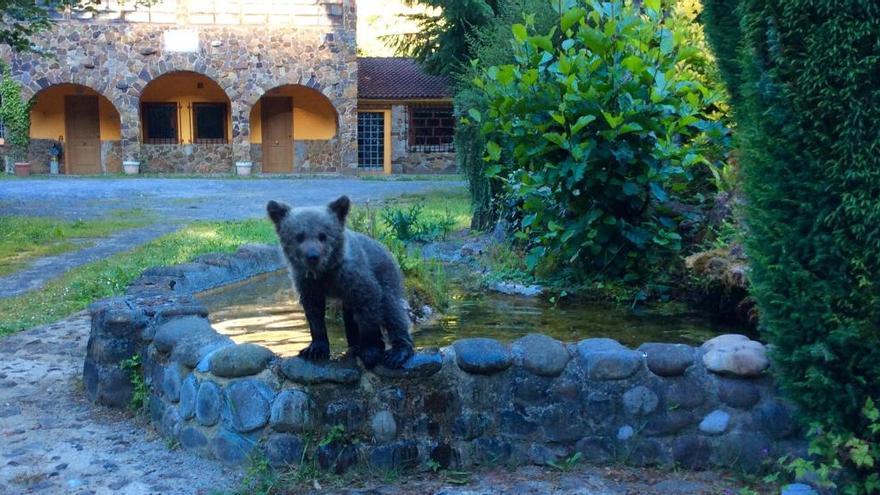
(300, 237)
(322, 237)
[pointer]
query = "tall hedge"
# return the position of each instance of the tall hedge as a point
(809, 138)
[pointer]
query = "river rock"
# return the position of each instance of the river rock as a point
(735, 354)
(188, 393)
(306, 372)
(540, 354)
(247, 405)
(189, 351)
(668, 359)
(231, 448)
(798, 489)
(208, 404)
(738, 393)
(170, 333)
(639, 401)
(384, 427)
(240, 360)
(481, 355)
(715, 423)
(291, 411)
(421, 365)
(284, 451)
(607, 359)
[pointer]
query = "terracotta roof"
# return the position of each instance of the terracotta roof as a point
(393, 78)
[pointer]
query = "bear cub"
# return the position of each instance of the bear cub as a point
(328, 260)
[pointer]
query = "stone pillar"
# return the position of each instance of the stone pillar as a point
(131, 130)
(115, 337)
(241, 132)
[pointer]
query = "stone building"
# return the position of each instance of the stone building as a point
(195, 86)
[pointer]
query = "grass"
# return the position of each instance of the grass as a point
(25, 238)
(76, 289)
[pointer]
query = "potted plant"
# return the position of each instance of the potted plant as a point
(131, 167)
(54, 154)
(243, 168)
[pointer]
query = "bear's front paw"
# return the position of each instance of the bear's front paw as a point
(316, 351)
(370, 356)
(396, 357)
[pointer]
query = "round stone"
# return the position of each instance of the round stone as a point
(171, 382)
(170, 333)
(737, 393)
(231, 448)
(668, 359)
(683, 392)
(247, 405)
(308, 373)
(384, 426)
(798, 489)
(607, 359)
(639, 401)
(625, 432)
(775, 419)
(188, 393)
(191, 350)
(208, 404)
(192, 438)
(421, 365)
(736, 355)
(291, 411)
(540, 354)
(284, 450)
(715, 423)
(170, 425)
(481, 355)
(240, 360)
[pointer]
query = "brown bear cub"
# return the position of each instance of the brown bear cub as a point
(328, 260)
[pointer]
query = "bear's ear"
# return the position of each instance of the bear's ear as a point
(340, 208)
(277, 211)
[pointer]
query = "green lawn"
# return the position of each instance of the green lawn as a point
(79, 287)
(24, 238)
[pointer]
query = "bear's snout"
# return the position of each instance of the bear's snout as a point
(313, 257)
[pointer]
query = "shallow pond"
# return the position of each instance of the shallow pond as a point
(263, 310)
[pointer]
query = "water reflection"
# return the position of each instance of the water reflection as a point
(264, 311)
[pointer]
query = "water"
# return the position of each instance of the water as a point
(265, 311)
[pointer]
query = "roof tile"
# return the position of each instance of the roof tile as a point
(398, 78)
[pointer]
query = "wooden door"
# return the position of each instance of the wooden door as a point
(82, 150)
(277, 121)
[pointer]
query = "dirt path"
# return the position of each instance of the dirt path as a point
(52, 440)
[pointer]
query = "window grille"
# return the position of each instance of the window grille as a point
(209, 123)
(371, 140)
(430, 129)
(160, 123)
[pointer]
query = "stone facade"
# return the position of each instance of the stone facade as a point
(186, 158)
(247, 50)
(476, 402)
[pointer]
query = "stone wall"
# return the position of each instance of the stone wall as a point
(39, 156)
(186, 158)
(476, 402)
(118, 59)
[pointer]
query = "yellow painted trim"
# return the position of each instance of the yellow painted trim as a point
(364, 103)
(387, 147)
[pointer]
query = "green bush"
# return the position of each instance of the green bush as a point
(15, 114)
(807, 106)
(592, 132)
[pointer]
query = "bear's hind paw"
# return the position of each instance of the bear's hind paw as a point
(316, 351)
(396, 357)
(370, 356)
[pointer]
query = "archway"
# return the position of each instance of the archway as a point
(288, 125)
(184, 108)
(81, 123)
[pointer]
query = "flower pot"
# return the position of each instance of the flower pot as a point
(53, 166)
(243, 168)
(131, 167)
(22, 169)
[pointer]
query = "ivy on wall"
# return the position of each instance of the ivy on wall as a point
(15, 114)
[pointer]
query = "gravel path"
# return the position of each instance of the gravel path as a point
(52, 440)
(171, 203)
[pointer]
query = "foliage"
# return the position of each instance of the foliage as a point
(842, 453)
(14, 113)
(20, 20)
(141, 392)
(440, 42)
(593, 134)
(409, 224)
(806, 85)
(490, 45)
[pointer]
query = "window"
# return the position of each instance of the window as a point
(160, 123)
(431, 129)
(209, 123)
(371, 139)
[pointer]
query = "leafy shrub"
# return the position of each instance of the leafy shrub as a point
(410, 224)
(15, 114)
(806, 91)
(592, 132)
